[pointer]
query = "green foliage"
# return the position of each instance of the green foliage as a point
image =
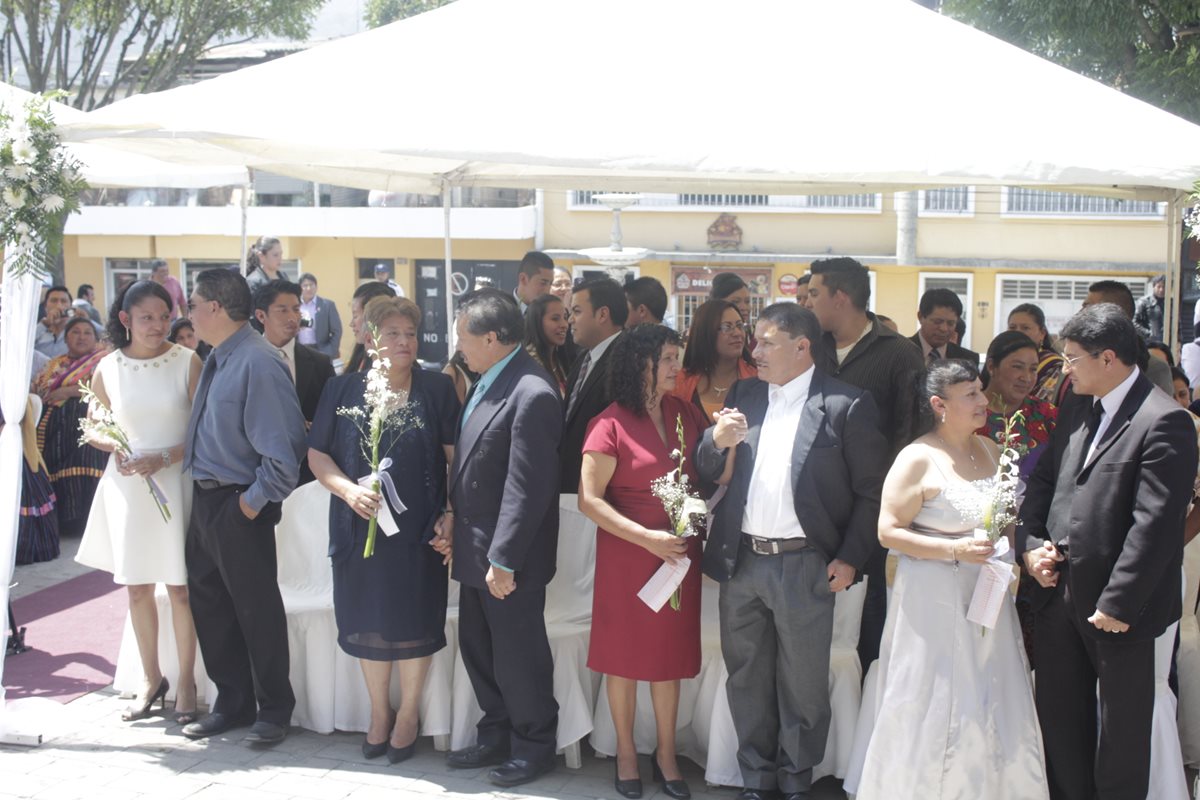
(1147, 48)
(381, 12)
(101, 50)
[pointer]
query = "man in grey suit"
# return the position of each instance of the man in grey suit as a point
(323, 332)
(797, 525)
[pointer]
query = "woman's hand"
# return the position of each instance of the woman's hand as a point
(362, 500)
(143, 465)
(62, 394)
(668, 547)
(971, 550)
(443, 536)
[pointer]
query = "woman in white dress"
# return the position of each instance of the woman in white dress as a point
(952, 715)
(148, 383)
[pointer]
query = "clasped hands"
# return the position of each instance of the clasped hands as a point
(731, 428)
(1042, 564)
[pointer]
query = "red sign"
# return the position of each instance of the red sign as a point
(788, 283)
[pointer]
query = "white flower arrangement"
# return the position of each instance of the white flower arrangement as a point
(40, 185)
(682, 504)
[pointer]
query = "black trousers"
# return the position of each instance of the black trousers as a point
(1090, 756)
(234, 591)
(507, 656)
(874, 614)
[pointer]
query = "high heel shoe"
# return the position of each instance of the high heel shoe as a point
(631, 788)
(397, 754)
(159, 695)
(677, 789)
(371, 750)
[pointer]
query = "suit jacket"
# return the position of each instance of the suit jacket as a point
(838, 463)
(1122, 512)
(313, 369)
(327, 327)
(952, 350)
(502, 483)
(595, 398)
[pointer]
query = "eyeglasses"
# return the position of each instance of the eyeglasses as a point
(191, 306)
(1071, 361)
(730, 327)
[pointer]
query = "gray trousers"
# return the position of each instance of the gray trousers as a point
(776, 631)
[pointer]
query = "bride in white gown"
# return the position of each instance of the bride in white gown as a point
(952, 715)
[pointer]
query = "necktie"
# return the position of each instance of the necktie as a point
(577, 389)
(1093, 424)
(473, 399)
(934, 356)
(288, 363)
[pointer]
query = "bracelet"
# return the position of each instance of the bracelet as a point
(954, 553)
(166, 458)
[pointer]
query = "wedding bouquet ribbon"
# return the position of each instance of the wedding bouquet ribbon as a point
(381, 478)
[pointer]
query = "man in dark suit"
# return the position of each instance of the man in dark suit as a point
(598, 313)
(1102, 532)
(797, 525)
(937, 314)
(324, 333)
(505, 502)
(277, 313)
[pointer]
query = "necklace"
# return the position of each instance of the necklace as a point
(719, 389)
(970, 455)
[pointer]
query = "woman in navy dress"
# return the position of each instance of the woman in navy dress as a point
(390, 607)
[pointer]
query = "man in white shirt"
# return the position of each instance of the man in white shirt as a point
(797, 525)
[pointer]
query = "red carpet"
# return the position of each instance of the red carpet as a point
(73, 634)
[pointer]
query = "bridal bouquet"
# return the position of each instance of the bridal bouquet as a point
(999, 512)
(679, 500)
(101, 425)
(384, 413)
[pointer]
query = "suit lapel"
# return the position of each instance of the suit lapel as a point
(812, 418)
(756, 413)
(594, 371)
(495, 399)
(1120, 421)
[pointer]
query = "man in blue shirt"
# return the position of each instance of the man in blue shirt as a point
(244, 444)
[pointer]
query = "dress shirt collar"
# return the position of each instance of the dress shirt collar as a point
(927, 348)
(1112, 401)
(599, 349)
(289, 348)
(222, 351)
(489, 376)
(795, 390)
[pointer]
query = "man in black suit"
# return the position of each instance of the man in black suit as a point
(797, 525)
(505, 503)
(277, 312)
(1102, 532)
(598, 312)
(937, 314)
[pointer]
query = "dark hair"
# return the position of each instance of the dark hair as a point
(535, 332)
(228, 288)
(700, 355)
(795, 320)
(364, 294)
(73, 321)
(1114, 292)
(632, 352)
(265, 295)
(534, 262)
(725, 284)
(939, 298)
(59, 288)
(846, 275)
(133, 294)
(606, 293)
(1004, 345)
(493, 311)
(83, 289)
(1157, 279)
(157, 263)
(960, 327)
(1162, 348)
(804, 279)
(648, 292)
(177, 326)
(263, 245)
(308, 276)
(940, 377)
(1179, 375)
(1105, 326)
(884, 318)
(1039, 317)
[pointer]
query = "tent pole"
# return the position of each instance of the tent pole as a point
(245, 201)
(1173, 289)
(449, 268)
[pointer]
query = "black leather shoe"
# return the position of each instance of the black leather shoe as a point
(266, 733)
(631, 788)
(677, 789)
(398, 754)
(371, 750)
(516, 771)
(477, 755)
(757, 794)
(213, 725)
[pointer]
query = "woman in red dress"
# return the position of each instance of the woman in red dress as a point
(629, 445)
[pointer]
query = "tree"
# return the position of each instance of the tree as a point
(381, 12)
(1147, 48)
(101, 50)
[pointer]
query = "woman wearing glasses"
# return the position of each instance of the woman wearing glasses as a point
(715, 357)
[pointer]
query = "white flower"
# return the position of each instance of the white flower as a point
(21, 229)
(53, 203)
(13, 197)
(23, 151)
(16, 172)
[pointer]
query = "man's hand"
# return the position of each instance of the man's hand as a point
(1042, 564)
(731, 428)
(443, 537)
(247, 511)
(841, 575)
(1106, 623)
(500, 582)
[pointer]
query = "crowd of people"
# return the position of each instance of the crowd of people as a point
(821, 438)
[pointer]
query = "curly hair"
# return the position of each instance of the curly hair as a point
(632, 352)
(130, 296)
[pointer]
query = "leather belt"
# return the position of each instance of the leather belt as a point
(208, 485)
(772, 547)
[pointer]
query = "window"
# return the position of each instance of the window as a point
(723, 200)
(1059, 296)
(1036, 202)
(120, 272)
(962, 284)
(821, 203)
(953, 201)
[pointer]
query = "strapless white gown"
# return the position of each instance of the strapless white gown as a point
(951, 714)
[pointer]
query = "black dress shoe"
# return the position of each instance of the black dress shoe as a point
(266, 733)
(398, 754)
(516, 771)
(370, 750)
(757, 794)
(631, 788)
(213, 725)
(677, 789)
(478, 755)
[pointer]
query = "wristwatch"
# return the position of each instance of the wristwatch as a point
(166, 458)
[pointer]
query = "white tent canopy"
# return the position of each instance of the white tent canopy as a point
(769, 95)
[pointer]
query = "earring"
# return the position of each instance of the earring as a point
(943, 416)
(128, 333)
